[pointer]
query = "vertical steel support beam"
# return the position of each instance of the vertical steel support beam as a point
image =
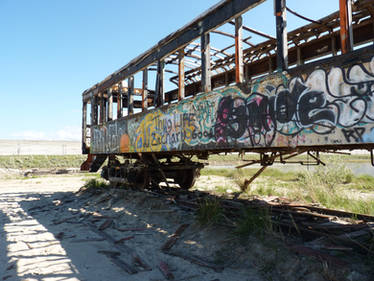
(94, 111)
(110, 104)
(239, 65)
(346, 33)
(84, 126)
(205, 63)
(300, 59)
(281, 23)
(130, 95)
(333, 45)
(145, 90)
(101, 108)
(181, 74)
(105, 109)
(270, 64)
(119, 101)
(160, 94)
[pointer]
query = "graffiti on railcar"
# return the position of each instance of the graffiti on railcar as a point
(160, 131)
(204, 107)
(324, 107)
(321, 104)
(108, 138)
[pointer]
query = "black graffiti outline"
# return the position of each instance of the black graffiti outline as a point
(302, 107)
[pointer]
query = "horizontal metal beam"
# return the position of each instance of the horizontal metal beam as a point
(223, 12)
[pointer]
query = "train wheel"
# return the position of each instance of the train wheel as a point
(187, 178)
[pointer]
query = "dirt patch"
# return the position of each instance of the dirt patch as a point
(50, 232)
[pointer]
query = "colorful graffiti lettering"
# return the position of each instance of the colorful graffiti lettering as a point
(318, 105)
(334, 106)
(159, 131)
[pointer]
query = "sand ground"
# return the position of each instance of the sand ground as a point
(51, 232)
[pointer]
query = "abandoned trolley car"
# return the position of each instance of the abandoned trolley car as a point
(305, 91)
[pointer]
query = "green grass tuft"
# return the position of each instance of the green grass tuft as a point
(94, 185)
(253, 221)
(41, 161)
(209, 212)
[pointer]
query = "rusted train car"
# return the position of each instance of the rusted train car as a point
(304, 91)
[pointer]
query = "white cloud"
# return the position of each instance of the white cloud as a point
(67, 133)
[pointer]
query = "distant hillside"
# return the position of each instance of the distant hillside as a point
(32, 147)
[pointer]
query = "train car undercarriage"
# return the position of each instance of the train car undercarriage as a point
(148, 171)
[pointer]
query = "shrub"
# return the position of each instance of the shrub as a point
(254, 221)
(209, 212)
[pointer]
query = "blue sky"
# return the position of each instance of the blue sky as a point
(51, 51)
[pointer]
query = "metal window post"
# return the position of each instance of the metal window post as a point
(101, 96)
(239, 71)
(205, 63)
(281, 24)
(160, 95)
(110, 104)
(84, 125)
(181, 74)
(145, 90)
(119, 101)
(94, 110)
(346, 32)
(130, 95)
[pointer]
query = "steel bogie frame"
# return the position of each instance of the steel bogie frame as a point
(311, 89)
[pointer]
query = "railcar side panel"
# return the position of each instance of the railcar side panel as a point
(333, 106)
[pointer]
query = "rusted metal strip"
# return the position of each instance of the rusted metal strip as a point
(303, 17)
(181, 74)
(254, 31)
(248, 182)
(239, 70)
(346, 36)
